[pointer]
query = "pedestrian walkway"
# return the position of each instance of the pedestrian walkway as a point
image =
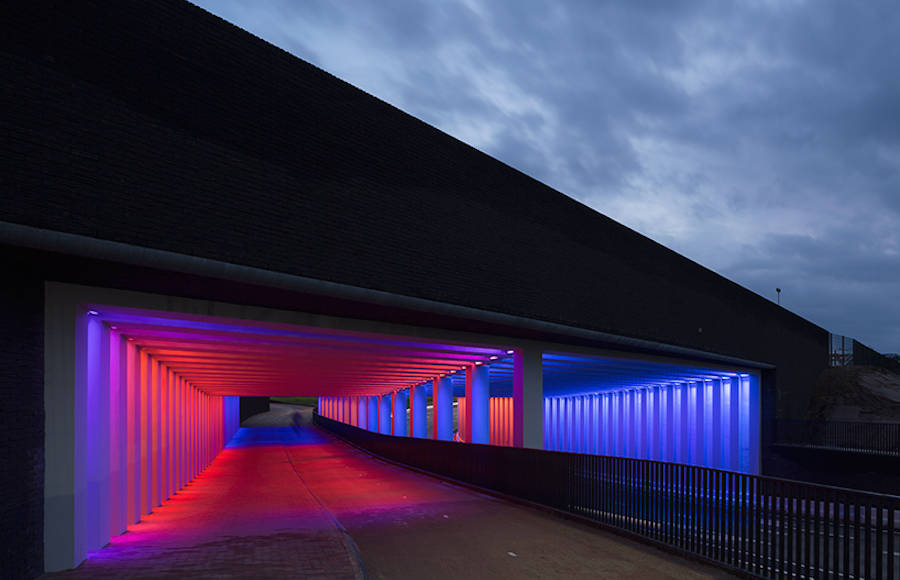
(247, 516)
(279, 501)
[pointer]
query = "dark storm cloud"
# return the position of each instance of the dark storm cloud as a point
(760, 139)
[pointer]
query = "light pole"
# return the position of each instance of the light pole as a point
(778, 290)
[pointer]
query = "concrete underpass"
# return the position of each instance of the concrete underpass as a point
(145, 453)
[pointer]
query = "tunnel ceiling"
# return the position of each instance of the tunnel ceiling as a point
(567, 374)
(239, 357)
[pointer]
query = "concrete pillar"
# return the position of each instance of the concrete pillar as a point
(384, 415)
(442, 409)
(656, 420)
(528, 398)
(667, 422)
(372, 413)
(734, 423)
(417, 411)
(579, 424)
(477, 418)
(640, 424)
(400, 400)
(697, 443)
(96, 502)
(754, 403)
(362, 412)
(118, 428)
(682, 421)
(606, 425)
(719, 440)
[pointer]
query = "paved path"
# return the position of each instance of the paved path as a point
(247, 515)
(273, 505)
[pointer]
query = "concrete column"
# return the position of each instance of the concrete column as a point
(362, 412)
(547, 424)
(697, 443)
(134, 434)
(719, 439)
(626, 428)
(400, 403)
(555, 441)
(617, 406)
(605, 423)
(577, 424)
(640, 424)
(96, 382)
(754, 403)
(708, 423)
(682, 422)
(477, 404)
(372, 414)
(417, 411)
(118, 428)
(384, 414)
(528, 398)
(442, 409)
(733, 392)
(656, 420)
(667, 422)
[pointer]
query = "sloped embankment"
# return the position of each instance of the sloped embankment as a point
(857, 393)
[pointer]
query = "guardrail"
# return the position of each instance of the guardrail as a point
(878, 438)
(761, 526)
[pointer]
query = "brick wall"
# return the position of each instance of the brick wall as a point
(158, 124)
(21, 424)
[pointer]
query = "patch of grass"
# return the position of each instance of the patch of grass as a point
(308, 401)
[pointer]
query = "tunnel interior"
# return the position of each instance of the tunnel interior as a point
(157, 398)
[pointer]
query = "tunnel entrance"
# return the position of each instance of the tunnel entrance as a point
(142, 393)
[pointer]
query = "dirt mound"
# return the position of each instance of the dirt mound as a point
(857, 393)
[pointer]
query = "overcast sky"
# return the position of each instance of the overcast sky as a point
(761, 140)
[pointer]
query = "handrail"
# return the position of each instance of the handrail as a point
(758, 525)
(855, 436)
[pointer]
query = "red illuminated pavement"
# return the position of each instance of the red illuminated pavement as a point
(248, 515)
(273, 505)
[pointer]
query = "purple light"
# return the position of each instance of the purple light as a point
(510, 352)
(494, 358)
(93, 312)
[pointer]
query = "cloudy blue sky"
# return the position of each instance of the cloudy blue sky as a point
(760, 139)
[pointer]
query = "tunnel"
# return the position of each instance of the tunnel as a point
(143, 393)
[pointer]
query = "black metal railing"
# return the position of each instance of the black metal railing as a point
(878, 438)
(763, 526)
